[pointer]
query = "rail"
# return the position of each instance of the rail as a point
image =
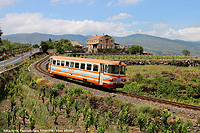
(38, 67)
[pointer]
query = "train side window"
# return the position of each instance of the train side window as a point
(95, 67)
(67, 63)
(89, 66)
(62, 63)
(58, 62)
(54, 62)
(71, 64)
(76, 65)
(82, 65)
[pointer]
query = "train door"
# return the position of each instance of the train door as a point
(50, 64)
(101, 74)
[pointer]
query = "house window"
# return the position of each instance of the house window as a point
(111, 46)
(111, 40)
(106, 40)
(106, 46)
(101, 46)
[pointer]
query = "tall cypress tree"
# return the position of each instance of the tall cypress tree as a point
(0, 35)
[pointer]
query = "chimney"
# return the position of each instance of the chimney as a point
(103, 33)
(96, 34)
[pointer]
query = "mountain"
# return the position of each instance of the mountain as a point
(158, 45)
(36, 38)
(151, 44)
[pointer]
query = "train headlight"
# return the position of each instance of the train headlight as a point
(123, 80)
(113, 79)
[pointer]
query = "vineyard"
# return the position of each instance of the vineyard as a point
(144, 57)
(178, 84)
(12, 49)
(35, 104)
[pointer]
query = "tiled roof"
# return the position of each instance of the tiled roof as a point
(96, 37)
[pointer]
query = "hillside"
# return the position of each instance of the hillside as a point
(36, 38)
(151, 44)
(158, 45)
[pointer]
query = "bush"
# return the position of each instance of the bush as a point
(60, 86)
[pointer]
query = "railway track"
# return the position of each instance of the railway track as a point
(38, 66)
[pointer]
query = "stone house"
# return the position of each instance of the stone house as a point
(99, 43)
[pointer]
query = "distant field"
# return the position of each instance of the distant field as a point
(146, 57)
(179, 84)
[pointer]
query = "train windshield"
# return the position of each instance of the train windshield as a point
(115, 69)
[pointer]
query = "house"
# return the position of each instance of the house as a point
(76, 44)
(99, 43)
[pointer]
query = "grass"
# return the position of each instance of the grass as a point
(178, 84)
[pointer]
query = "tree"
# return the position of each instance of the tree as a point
(44, 46)
(35, 46)
(0, 35)
(186, 52)
(64, 45)
(134, 49)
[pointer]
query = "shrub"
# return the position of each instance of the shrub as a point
(40, 82)
(60, 86)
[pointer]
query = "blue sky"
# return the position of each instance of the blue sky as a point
(173, 19)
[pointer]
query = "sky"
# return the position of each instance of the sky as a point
(172, 19)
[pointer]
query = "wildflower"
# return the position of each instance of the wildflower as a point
(144, 69)
(164, 71)
(137, 74)
(61, 92)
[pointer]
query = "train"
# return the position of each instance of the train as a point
(104, 73)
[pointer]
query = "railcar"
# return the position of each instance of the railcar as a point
(105, 73)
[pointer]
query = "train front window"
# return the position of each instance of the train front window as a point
(115, 69)
(122, 69)
(54, 62)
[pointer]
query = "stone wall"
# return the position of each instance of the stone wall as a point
(183, 63)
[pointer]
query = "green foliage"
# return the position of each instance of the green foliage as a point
(8, 117)
(60, 86)
(64, 45)
(198, 120)
(35, 46)
(89, 118)
(186, 52)
(165, 116)
(23, 114)
(141, 121)
(134, 49)
(32, 122)
(44, 46)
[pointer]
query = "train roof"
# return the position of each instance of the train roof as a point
(88, 60)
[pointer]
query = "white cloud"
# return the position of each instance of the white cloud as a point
(6, 3)
(186, 34)
(65, 1)
(129, 1)
(122, 2)
(189, 34)
(35, 22)
(160, 26)
(110, 3)
(119, 16)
